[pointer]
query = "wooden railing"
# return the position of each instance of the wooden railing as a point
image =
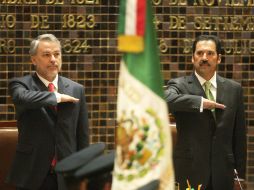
(8, 124)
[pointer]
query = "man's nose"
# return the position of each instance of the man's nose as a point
(52, 58)
(204, 56)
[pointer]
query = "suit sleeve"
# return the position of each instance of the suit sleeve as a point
(24, 97)
(83, 125)
(239, 141)
(179, 100)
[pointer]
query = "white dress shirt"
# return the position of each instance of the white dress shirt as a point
(213, 88)
(55, 82)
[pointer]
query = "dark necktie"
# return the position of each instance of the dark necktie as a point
(51, 88)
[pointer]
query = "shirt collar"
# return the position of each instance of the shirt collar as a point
(202, 80)
(46, 82)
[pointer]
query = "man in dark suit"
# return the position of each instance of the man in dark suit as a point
(211, 134)
(51, 124)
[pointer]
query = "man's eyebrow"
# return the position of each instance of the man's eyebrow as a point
(48, 51)
(206, 50)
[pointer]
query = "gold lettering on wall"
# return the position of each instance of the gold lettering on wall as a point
(231, 46)
(235, 3)
(39, 22)
(75, 46)
(7, 21)
(206, 2)
(71, 21)
(250, 3)
(225, 23)
(54, 2)
(203, 23)
(177, 2)
(210, 3)
(91, 21)
(163, 46)
(228, 3)
(177, 22)
(239, 46)
(84, 2)
(7, 46)
(206, 22)
(13, 2)
(51, 2)
(156, 22)
(187, 47)
(156, 2)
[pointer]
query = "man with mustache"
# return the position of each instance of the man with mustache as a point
(52, 118)
(210, 122)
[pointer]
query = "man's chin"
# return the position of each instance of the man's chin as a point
(53, 71)
(53, 75)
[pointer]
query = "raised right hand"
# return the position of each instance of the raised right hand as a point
(208, 104)
(67, 98)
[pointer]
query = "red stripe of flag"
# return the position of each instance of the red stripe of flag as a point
(141, 14)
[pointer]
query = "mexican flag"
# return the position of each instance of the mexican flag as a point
(143, 138)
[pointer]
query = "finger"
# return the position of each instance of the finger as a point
(72, 99)
(75, 100)
(220, 106)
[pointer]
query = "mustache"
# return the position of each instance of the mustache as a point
(204, 62)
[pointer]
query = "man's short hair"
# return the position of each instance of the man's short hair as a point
(44, 37)
(213, 38)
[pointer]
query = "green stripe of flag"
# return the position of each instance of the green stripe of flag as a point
(145, 66)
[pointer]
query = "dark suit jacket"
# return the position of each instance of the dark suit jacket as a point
(207, 148)
(42, 130)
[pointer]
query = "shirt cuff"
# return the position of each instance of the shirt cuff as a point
(240, 179)
(201, 105)
(58, 97)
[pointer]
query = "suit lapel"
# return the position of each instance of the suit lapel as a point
(220, 95)
(62, 86)
(195, 87)
(220, 89)
(38, 84)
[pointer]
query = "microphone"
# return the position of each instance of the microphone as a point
(237, 178)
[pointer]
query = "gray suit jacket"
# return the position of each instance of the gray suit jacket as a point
(42, 130)
(207, 148)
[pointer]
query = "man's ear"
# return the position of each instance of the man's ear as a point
(219, 59)
(33, 60)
